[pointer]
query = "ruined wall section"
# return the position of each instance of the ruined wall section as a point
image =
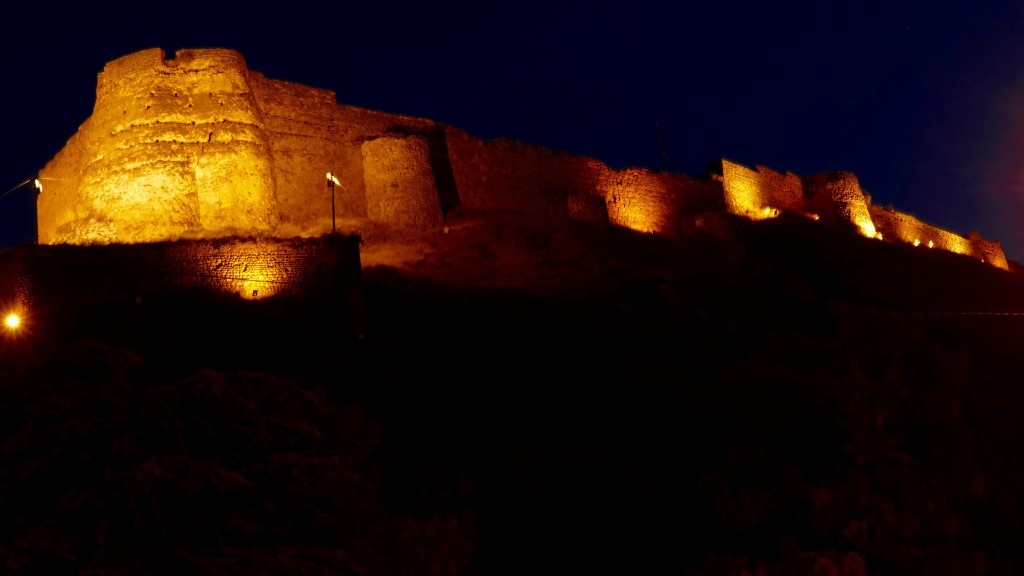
(401, 189)
(990, 251)
(657, 202)
(512, 175)
(761, 192)
(902, 227)
(838, 199)
(174, 148)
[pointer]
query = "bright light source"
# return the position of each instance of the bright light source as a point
(917, 242)
(931, 244)
(39, 185)
(12, 321)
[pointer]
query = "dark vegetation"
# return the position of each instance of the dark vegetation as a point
(757, 398)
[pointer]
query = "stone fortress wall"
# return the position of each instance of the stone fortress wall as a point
(895, 225)
(201, 147)
(51, 280)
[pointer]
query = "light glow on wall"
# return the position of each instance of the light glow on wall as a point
(867, 227)
(252, 273)
(637, 218)
(743, 197)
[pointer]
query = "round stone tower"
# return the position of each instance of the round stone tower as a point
(174, 148)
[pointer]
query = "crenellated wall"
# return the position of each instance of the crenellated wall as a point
(201, 147)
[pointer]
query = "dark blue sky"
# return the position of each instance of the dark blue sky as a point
(924, 101)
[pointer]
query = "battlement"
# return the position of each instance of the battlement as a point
(201, 147)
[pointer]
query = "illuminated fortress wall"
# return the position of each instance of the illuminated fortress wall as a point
(511, 175)
(310, 135)
(761, 192)
(657, 202)
(172, 148)
(305, 144)
(902, 227)
(200, 147)
(837, 198)
(990, 251)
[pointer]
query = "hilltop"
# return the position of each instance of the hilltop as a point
(770, 396)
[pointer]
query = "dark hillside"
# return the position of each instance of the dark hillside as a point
(770, 397)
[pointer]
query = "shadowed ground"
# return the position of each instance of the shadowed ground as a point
(533, 397)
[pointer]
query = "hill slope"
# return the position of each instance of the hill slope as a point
(538, 396)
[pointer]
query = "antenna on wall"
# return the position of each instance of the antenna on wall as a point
(661, 151)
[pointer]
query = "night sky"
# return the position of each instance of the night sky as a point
(924, 101)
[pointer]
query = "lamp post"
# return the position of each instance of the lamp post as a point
(330, 186)
(39, 192)
(38, 187)
(331, 181)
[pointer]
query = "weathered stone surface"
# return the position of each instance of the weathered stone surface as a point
(201, 147)
(837, 197)
(250, 268)
(899, 226)
(656, 202)
(174, 148)
(400, 185)
(760, 193)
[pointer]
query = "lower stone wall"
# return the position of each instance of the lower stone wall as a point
(54, 277)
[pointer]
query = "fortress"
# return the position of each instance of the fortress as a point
(201, 147)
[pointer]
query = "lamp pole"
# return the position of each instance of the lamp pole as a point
(38, 188)
(330, 186)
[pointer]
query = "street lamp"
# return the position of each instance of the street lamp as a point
(331, 181)
(39, 190)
